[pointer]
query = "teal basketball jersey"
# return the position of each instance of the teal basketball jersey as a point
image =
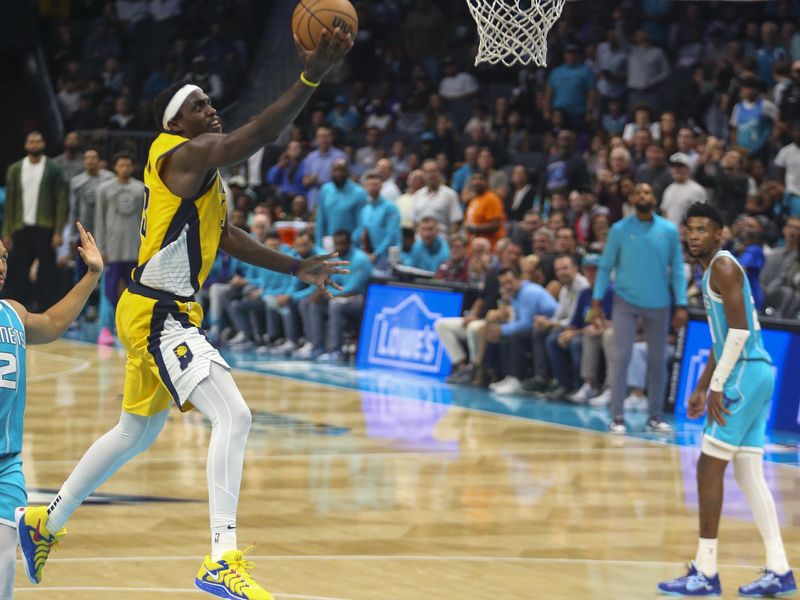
(718, 322)
(12, 380)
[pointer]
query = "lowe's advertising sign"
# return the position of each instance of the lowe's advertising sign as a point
(397, 329)
(784, 348)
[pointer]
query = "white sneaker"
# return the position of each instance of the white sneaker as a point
(510, 387)
(636, 403)
(239, 338)
(617, 427)
(602, 400)
(585, 392)
(305, 352)
(283, 349)
(501, 383)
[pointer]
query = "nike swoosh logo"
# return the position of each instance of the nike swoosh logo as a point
(693, 587)
(229, 527)
(214, 576)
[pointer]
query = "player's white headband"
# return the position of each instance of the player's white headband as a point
(177, 101)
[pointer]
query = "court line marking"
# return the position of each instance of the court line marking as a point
(604, 434)
(159, 590)
(431, 454)
(403, 558)
(79, 368)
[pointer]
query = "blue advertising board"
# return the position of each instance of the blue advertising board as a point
(397, 329)
(784, 348)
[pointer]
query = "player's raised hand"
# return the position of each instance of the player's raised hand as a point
(89, 251)
(317, 270)
(330, 49)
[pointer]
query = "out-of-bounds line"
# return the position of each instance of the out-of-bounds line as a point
(158, 590)
(84, 364)
(405, 558)
(432, 454)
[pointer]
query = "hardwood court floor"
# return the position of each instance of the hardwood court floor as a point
(343, 507)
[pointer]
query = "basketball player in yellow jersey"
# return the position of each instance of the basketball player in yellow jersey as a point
(169, 358)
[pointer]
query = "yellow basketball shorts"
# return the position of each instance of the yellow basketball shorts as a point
(168, 352)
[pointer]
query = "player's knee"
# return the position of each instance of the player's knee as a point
(241, 418)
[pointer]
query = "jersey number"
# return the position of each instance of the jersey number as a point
(143, 229)
(8, 366)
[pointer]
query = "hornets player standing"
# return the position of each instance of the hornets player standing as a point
(18, 328)
(740, 379)
(169, 358)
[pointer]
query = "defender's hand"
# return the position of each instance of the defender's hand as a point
(317, 271)
(89, 251)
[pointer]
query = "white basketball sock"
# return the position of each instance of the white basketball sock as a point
(132, 435)
(749, 470)
(220, 401)
(705, 560)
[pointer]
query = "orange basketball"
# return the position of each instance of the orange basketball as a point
(311, 16)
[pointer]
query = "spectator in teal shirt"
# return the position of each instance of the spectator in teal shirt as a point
(340, 202)
(430, 250)
(378, 224)
(570, 87)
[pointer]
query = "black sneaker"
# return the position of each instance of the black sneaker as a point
(658, 425)
(463, 374)
(560, 393)
(536, 384)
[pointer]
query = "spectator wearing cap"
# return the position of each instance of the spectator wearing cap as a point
(752, 119)
(210, 82)
(682, 192)
(654, 171)
(788, 163)
(318, 165)
(570, 87)
(342, 116)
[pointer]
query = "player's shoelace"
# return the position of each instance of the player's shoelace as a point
(241, 567)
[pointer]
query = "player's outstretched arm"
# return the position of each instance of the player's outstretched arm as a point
(315, 270)
(41, 328)
(212, 150)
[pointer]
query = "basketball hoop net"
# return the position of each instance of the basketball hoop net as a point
(514, 31)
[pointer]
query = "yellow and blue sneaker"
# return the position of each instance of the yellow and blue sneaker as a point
(35, 540)
(229, 578)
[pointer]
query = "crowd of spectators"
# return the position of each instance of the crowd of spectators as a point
(410, 160)
(110, 59)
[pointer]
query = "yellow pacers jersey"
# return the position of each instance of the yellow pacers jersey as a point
(179, 236)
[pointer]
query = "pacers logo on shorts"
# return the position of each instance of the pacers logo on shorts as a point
(183, 354)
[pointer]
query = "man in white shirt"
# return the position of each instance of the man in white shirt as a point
(405, 203)
(456, 84)
(437, 200)
(788, 163)
(385, 171)
(682, 192)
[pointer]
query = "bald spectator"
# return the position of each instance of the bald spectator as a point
(340, 203)
(437, 200)
(385, 171)
(405, 203)
(485, 216)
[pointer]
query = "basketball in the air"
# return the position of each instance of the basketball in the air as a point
(312, 16)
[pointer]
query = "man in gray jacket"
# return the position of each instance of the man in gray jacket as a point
(117, 217)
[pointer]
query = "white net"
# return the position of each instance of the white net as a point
(514, 31)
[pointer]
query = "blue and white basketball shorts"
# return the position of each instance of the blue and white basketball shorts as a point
(12, 488)
(747, 396)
